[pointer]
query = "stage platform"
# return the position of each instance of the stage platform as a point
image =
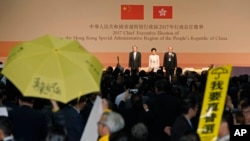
(236, 71)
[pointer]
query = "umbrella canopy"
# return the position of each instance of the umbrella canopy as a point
(53, 68)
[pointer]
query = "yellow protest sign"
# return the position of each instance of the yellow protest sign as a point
(213, 102)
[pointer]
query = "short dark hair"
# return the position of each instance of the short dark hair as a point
(153, 49)
(6, 125)
(26, 99)
(163, 85)
(78, 100)
(245, 104)
(160, 84)
(188, 103)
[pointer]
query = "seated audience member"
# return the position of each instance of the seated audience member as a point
(57, 133)
(109, 123)
(6, 129)
(28, 123)
(183, 124)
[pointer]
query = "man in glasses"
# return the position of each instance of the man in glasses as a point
(110, 122)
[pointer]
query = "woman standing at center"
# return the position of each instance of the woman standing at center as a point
(154, 61)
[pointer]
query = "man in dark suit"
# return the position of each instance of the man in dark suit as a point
(183, 124)
(28, 123)
(170, 62)
(71, 118)
(134, 60)
(164, 108)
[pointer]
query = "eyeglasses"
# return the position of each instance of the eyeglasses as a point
(101, 123)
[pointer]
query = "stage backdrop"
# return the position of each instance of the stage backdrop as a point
(201, 32)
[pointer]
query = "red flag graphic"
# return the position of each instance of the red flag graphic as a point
(162, 12)
(132, 12)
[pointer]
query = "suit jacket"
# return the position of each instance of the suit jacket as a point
(164, 108)
(179, 128)
(74, 123)
(154, 62)
(134, 63)
(170, 64)
(29, 124)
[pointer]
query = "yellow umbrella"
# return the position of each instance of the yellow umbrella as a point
(53, 68)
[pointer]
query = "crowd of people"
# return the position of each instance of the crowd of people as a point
(170, 110)
(156, 105)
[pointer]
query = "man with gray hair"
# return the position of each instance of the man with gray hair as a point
(110, 122)
(139, 132)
